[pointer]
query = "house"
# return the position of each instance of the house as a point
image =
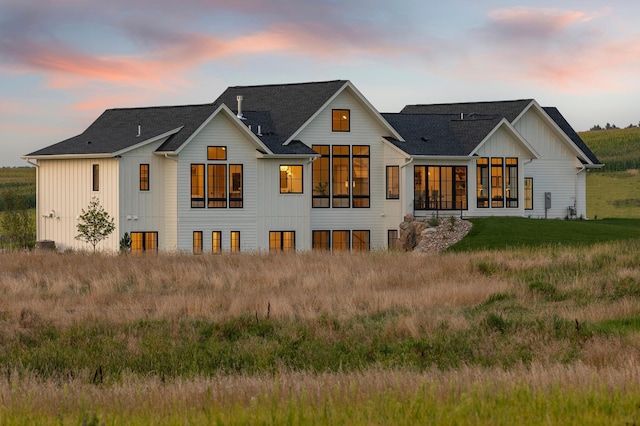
(306, 166)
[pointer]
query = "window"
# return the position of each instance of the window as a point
(216, 153)
(482, 182)
(321, 240)
(216, 185)
(360, 173)
(197, 242)
(497, 183)
(511, 181)
(320, 177)
(197, 185)
(341, 241)
(340, 175)
(282, 241)
(340, 120)
(235, 185)
(96, 177)
(393, 182)
(291, 179)
(440, 187)
(216, 242)
(144, 242)
(235, 241)
(144, 177)
(393, 242)
(528, 193)
(361, 241)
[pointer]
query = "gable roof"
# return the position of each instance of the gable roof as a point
(116, 130)
(566, 128)
(289, 106)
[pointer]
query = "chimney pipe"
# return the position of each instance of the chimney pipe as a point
(239, 99)
(139, 130)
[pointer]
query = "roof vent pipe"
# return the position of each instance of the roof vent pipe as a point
(462, 116)
(239, 99)
(259, 130)
(139, 131)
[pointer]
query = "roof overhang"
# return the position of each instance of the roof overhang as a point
(67, 156)
(148, 141)
(348, 85)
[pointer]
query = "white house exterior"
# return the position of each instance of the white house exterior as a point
(306, 166)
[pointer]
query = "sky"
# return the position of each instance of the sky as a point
(63, 62)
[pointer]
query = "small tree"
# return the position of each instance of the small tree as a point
(95, 224)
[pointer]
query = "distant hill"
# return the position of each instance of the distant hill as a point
(618, 149)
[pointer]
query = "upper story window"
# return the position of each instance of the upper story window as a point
(291, 179)
(223, 182)
(144, 177)
(342, 176)
(96, 177)
(340, 120)
(197, 185)
(216, 153)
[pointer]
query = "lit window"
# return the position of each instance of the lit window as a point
(511, 181)
(282, 241)
(144, 177)
(497, 183)
(96, 177)
(360, 173)
(216, 153)
(361, 241)
(393, 182)
(341, 241)
(235, 241)
(197, 185)
(216, 185)
(440, 187)
(482, 182)
(340, 120)
(235, 185)
(197, 242)
(320, 177)
(216, 242)
(144, 242)
(341, 182)
(290, 179)
(321, 240)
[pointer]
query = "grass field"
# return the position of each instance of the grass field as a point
(613, 194)
(530, 335)
(22, 181)
(618, 149)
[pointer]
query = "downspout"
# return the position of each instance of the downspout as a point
(166, 155)
(38, 217)
(575, 193)
(402, 193)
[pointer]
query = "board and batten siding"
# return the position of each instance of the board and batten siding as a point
(220, 131)
(556, 171)
(65, 189)
(364, 130)
(283, 212)
(394, 210)
(152, 210)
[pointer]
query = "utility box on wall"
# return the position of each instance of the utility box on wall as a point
(547, 200)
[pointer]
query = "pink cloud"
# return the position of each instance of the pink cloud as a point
(537, 23)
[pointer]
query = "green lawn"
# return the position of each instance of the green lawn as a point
(613, 194)
(497, 233)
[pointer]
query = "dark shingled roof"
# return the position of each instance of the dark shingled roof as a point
(289, 105)
(440, 134)
(507, 109)
(279, 110)
(566, 127)
(117, 129)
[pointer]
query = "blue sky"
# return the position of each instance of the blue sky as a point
(63, 62)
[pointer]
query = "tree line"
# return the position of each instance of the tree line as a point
(610, 126)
